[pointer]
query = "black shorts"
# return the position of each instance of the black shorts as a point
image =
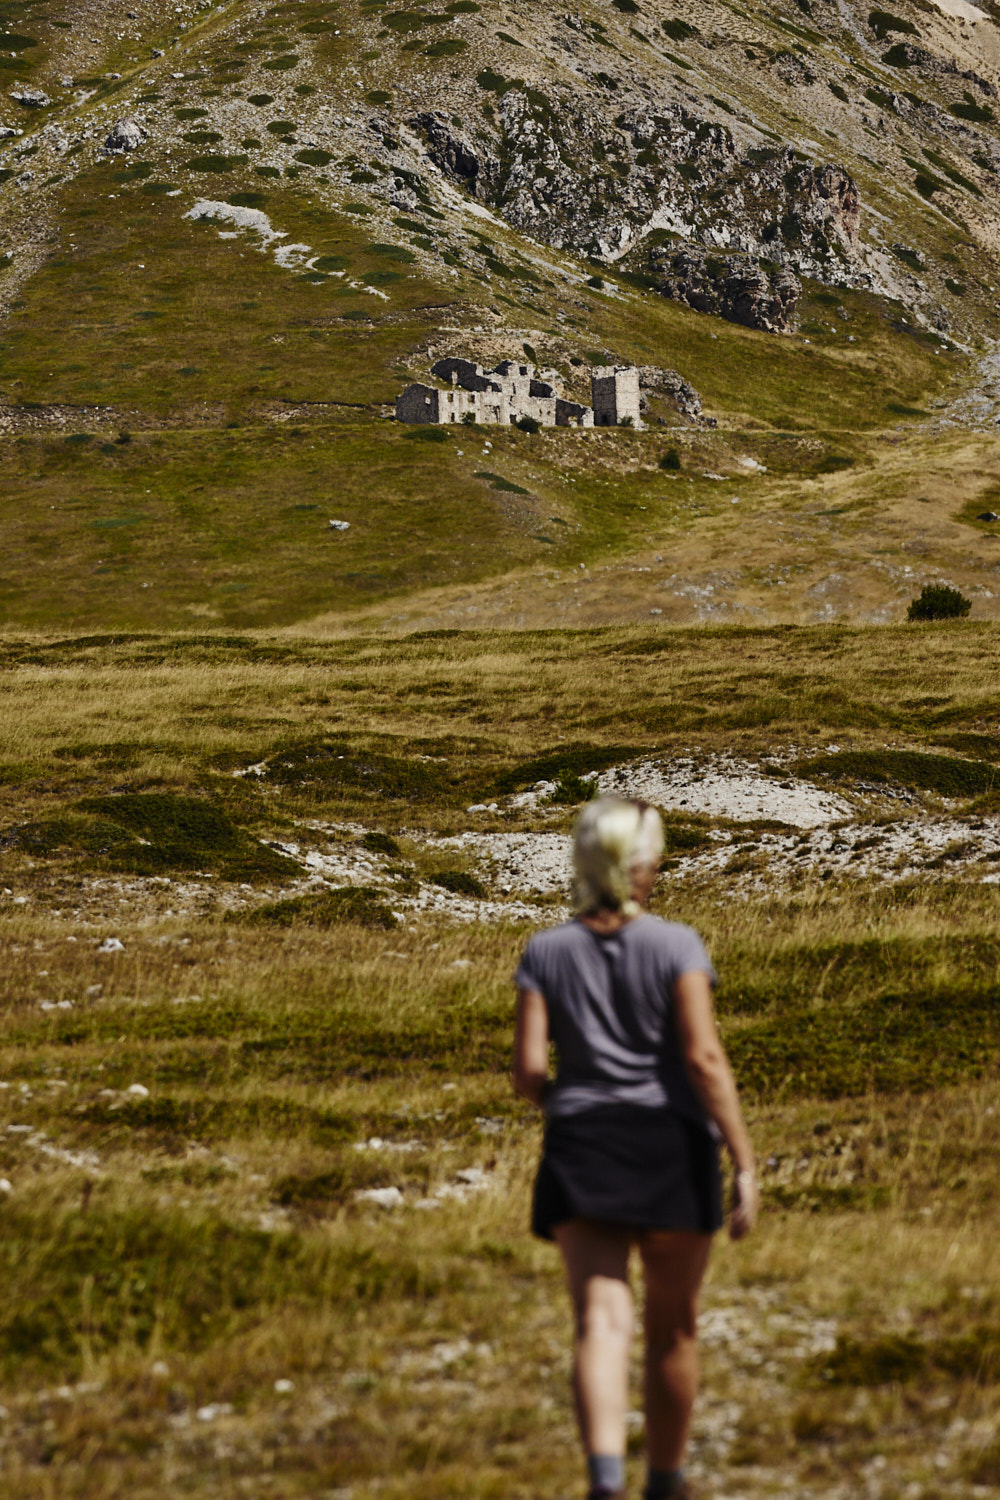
(630, 1166)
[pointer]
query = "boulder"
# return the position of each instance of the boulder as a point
(126, 135)
(28, 97)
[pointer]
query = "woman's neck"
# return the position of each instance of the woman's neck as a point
(606, 921)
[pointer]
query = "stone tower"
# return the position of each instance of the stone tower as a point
(615, 395)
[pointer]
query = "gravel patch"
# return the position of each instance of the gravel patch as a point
(723, 787)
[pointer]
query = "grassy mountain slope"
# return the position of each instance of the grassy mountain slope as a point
(201, 337)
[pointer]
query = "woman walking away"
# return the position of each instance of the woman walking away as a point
(642, 1092)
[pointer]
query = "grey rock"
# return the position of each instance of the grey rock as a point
(450, 149)
(906, 55)
(126, 135)
(28, 97)
(672, 385)
(910, 253)
(735, 287)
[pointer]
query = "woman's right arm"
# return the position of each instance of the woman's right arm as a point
(713, 1082)
(531, 1045)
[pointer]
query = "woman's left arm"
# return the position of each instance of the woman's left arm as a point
(531, 1045)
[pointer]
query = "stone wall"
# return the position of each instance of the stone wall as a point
(418, 403)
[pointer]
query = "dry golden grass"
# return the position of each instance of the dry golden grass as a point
(169, 1257)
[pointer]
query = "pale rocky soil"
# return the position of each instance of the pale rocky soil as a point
(769, 833)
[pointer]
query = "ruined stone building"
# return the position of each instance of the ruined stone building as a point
(615, 394)
(513, 391)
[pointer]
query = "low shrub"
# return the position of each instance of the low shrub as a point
(937, 601)
(883, 21)
(380, 843)
(361, 905)
(571, 788)
(670, 460)
(459, 883)
(528, 424)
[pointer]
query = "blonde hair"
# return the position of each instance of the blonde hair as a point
(613, 838)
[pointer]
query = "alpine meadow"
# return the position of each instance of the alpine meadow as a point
(415, 422)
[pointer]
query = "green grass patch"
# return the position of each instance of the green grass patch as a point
(498, 482)
(943, 774)
(351, 904)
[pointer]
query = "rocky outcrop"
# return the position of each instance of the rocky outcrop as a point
(736, 287)
(668, 383)
(908, 55)
(451, 150)
(823, 212)
(565, 174)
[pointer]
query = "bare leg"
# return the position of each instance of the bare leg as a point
(674, 1264)
(596, 1257)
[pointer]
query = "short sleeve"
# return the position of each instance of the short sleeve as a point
(689, 952)
(528, 976)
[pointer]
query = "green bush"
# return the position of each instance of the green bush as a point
(459, 883)
(528, 424)
(980, 114)
(380, 843)
(936, 601)
(897, 56)
(571, 788)
(678, 30)
(361, 905)
(883, 21)
(671, 459)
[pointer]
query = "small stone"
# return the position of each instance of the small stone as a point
(157, 51)
(340, 525)
(389, 1197)
(283, 1387)
(5, 1186)
(988, 515)
(217, 1409)
(111, 945)
(138, 1091)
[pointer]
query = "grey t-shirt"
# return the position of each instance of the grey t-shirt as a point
(610, 1006)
